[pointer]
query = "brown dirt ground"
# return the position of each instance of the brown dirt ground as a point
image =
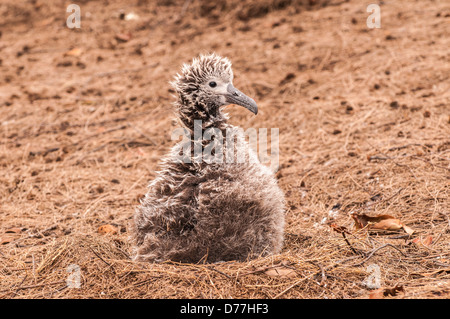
(364, 121)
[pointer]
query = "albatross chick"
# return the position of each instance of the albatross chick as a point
(198, 209)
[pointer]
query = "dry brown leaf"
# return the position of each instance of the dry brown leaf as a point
(282, 272)
(408, 230)
(377, 294)
(381, 293)
(107, 229)
(383, 222)
(427, 241)
(124, 37)
(73, 52)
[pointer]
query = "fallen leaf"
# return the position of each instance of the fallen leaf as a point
(408, 230)
(387, 224)
(107, 229)
(425, 242)
(280, 271)
(124, 37)
(381, 293)
(377, 294)
(73, 52)
(383, 222)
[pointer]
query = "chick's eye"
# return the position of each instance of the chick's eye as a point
(212, 84)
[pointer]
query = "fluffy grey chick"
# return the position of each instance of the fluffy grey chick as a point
(210, 210)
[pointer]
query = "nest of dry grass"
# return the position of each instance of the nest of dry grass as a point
(332, 267)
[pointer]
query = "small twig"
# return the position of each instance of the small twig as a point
(99, 257)
(143, 282)
(343, 231)
(324, 276)
(18, 288)
(134, 127)
(51, 258)
(400, 236)
(398, 192)
(38, 285)
(45, 152)
(213, 285)
(403, 146)
(381, 158)
(183, 10)
(374, 251)
(262, 270)
(307, 277)
(437, 263)
(90, 248)
(428, 162)
(293, 285)
(218, 271)
(122, 127)
(38, 234)
(348, 243)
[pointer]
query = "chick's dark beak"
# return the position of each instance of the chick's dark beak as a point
(234, 96)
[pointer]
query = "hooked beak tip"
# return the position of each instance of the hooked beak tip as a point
(234, 96)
